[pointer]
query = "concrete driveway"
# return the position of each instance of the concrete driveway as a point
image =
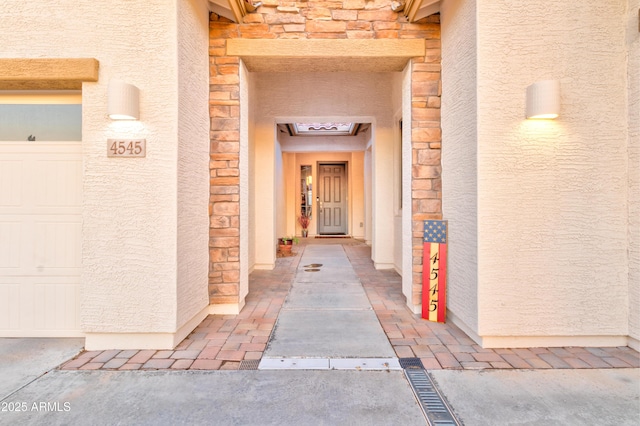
(24, 360)
(35, 392)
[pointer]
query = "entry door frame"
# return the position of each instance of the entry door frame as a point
(346, 188)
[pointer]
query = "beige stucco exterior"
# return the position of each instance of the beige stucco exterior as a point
(143, 272)
(632, 45)
(460, 159)
(543, 215)
(545, 204)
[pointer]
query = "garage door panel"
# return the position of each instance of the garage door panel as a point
(34, 307)
(11, 234)
(11, 183)
(40, 238)
(58, 183)
(57, 245)
(55, 305)
(9, 305)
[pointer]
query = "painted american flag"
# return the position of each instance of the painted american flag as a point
(434, 270)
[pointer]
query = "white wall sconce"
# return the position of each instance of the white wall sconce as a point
(124, 101)
(543, 99)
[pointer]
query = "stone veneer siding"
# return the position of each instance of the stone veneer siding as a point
(354, 19)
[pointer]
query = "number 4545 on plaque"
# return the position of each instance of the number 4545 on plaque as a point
(126, 147)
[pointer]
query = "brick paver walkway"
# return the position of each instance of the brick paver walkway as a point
(222, 342)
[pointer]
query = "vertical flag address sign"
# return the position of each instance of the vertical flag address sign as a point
(434, 270)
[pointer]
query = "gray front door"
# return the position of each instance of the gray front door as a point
(333, 199)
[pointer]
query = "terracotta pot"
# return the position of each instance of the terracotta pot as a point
(285, 248)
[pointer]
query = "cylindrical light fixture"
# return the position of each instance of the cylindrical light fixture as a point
(543, 99)
(124, 101)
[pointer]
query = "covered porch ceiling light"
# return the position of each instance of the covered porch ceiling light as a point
(331, 128)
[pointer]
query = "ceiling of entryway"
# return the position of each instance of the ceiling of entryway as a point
(235, 10)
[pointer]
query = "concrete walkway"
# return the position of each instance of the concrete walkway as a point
(327, 320)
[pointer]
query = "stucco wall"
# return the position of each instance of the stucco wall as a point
(459, 159)
(633, 54)
(368, 196)
(325, 143)
(130, 211)
(265, 178)
(552, 205)
(383, 237)
(398, 234)
(193, 159)
(282, 170)
(127, 246)
(248, 167)
(247, 250)
(409, 261)
(357, 177)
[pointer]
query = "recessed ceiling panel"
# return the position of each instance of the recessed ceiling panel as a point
(323, 129)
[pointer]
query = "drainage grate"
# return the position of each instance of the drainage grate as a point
(313, 265)
(411, 363)
(312, 270)
(434, 407)
(249, 364)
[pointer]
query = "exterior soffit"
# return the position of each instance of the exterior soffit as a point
(417, 9)
(325, 55)
(236, 10)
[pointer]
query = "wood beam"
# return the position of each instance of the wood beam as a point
(326, 55)
(326, 48)
(47, 73)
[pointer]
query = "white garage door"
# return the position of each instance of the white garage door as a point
(40, 238)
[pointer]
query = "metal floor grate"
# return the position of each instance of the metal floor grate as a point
(411, 363)
(434, 407)
(249, 364)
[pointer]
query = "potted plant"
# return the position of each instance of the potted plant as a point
(285, 244)
(304, 221)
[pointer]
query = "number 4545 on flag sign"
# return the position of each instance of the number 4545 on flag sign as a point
(434, 270)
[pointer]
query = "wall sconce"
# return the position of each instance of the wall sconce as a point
(124, 101)
(543, 99)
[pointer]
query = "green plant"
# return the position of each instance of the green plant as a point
(284, 240)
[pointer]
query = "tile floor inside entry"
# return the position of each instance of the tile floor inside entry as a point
(227, 342)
